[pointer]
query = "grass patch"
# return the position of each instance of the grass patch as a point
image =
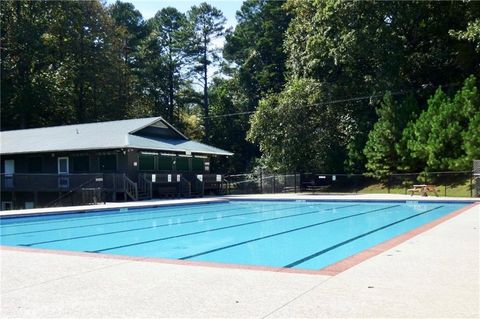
(457, 187)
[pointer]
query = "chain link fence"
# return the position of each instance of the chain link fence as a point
(451, 184)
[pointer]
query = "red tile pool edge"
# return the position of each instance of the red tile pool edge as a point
(351, 261)
(331, 270)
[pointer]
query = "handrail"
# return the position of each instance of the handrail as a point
(145, 185)
(185, 187)
(130, 188)
(70, 192)
(227, 186)
(199, 186)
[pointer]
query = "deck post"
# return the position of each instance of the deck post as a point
(114, 177)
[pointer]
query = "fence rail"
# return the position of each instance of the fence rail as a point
(458, 184)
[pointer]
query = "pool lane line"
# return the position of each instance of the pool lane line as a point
(119, 222)
(281, 233)
(359, 257)
(100, 214)
(150, 218)
(119, 214)
(323, 251)
(134, 220)
(332, 270)
(158, 226)
(227, 227)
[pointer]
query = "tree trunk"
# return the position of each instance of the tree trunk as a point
(205, 91)
(170, 84)
(80, 82)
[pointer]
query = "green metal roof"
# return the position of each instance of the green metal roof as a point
(102, 135)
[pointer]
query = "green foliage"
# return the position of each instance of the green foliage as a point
(164, 57)
(206, 24)
(229, 132)
(471, 34)
(255, 53)
(380, 151)
(313, 70)
(297, 132)
(256, 47)
(364, 48)
(60, 64)
(444, 137)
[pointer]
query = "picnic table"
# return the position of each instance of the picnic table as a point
(423, 189)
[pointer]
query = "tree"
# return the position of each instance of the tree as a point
(29, 83)
(443, 137)
(256, 47)
(169, 32)
(472, 33)
(229, 126)
(297, 132)
(380, 149)
(207, 24)
(364, 48)
(131, 29)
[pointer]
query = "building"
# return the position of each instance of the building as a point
(117, 160)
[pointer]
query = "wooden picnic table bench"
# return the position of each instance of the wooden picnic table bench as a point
(423, 189)
(315, 188)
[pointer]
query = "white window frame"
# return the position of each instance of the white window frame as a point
(68, 165)
(5, 165)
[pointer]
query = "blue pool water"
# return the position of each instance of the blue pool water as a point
(292, 234)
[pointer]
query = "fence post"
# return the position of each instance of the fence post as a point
(261, 181)
(295, 182)
(471, 185)
(273, 183)
(388, 183)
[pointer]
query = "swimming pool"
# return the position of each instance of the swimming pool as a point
(289, 234)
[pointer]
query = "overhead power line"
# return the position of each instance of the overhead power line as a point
(352, 99)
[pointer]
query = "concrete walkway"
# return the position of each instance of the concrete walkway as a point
(434, 274)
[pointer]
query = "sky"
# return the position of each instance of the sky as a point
(148, 8)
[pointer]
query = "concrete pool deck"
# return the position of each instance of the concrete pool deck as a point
(433, 274)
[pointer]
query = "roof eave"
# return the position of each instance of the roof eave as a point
(180, 150)
(67, 150)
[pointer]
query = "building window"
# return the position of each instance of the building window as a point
(146, 162)
(198, 164)
(81, 164)
(108, 163)
(165, 163)
(34, 164)
(182, 164)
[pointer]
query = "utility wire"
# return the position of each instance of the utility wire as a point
(353, 99)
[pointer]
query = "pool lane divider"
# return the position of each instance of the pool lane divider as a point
(175, 224)
(282, 233)
(240, 225)
(323, 251)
